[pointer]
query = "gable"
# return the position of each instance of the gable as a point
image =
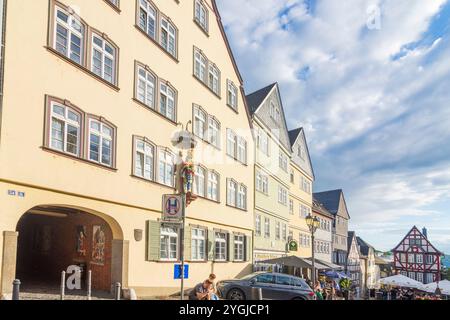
(342, 209)
(415, 240)
(271, 114)
(304, 162)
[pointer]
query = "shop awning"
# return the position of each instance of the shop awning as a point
(328, 265)
(294, 261)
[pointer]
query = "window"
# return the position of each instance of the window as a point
(169, 244)
(213, 186)
(200, 63)
(265, 278)
(231, 143)
(214, 79)
(65, 131)
(419, 258)
(69, 36)
(430, 259)
(201, 15)
(291, 206)
(242, 150)
(103, 58)
(258, 225)
(284, 232)
(114, 2)
(262, 141)
(283, 161)
(100, 142)
(282, 195)
(147, 18)
(305, 185)
(220, 247)
(206, 71)
(146, 83)
(419, 277)
(232, 95)
(199, 122)
(411, 257)
(168, 36)
(214, 132)
(167, 101)
(144, 159)
(402, 257)
(429, 277)
(262, 182)
(166, 168)
(412, 275)
(267, 227)
(231, 193)
(292, 176)
(239, 247)
(242, 197)
(198, 245)
(199, 181)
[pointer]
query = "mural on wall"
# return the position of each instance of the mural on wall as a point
(98, 245)
(81, 240)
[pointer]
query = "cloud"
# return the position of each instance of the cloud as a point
(374, 101)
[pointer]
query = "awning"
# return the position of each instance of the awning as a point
(297, 262)
(328, 265)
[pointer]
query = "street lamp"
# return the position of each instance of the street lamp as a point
(313, 223)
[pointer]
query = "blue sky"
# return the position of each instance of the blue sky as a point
(369, 80)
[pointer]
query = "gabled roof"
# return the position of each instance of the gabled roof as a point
(414, 228)
(319, 208)
(293, 135)
(331, 200)
(255, 99)
(364, 247)
(351, 235)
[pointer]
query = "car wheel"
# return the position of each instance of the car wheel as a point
(235, 294)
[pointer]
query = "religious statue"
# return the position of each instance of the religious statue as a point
(188, 173)
(81, 240)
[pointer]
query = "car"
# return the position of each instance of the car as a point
(274, 286)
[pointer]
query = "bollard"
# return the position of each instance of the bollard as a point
(63, 284)
(89, 285)
(16, 290)
(118, 291)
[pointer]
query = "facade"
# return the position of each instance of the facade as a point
(355, 267)
(416, 258)
(371, 273)
(272, 158)
(323, 235)
(301, 178)
(86, 151)
(334, 202)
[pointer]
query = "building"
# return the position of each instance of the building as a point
(86, 151)
(371, 273)
(272, 158)
(334, 202)
(323, 235)
(354, 267)
(416, 258)
(301, 177)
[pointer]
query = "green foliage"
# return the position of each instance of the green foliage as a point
(345, 284)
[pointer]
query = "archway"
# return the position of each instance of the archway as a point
(52, 238)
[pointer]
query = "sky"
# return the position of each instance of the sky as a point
(369, 80)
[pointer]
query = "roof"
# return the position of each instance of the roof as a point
(414, 228)
(381, 261)
(255, 99)
(319, 208)
(351, 234)
(364, 247)
(293, 135)
(331, 200)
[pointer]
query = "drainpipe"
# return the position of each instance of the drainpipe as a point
(2, 54)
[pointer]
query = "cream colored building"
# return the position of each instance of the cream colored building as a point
(92, 94)
(301, 177)
(272, 157)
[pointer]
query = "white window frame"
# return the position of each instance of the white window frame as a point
(66, 122)
(144, 154)
(105, 55)
(258, 225)
(266, 227)
(200, 181)
(151, 15)
(200, 122)
(170, 43)
(198, 251)
(220, 246)
(213, 186)
(100, 133)
(166, 163)
(231, 143)
(168, 235)
(232, 187)
(214, 131)
(146, 87)
(242, 197)
(200, 65)
(168, 108)
(291, 206)
(239, 247)
(214, 78)
(201, 15)
(241, 150)
(282, 195)
(284, 232)
(71, 30)
(232, 95)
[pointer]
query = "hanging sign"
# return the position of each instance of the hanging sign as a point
(293, 245)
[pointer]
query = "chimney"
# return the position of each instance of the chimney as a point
(424, 232)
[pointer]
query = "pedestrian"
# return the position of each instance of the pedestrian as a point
(201, 291)
(318, 290)
(213, 289)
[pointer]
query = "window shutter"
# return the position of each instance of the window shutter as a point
(187, 243)
(248, 248)
(230, 246)
(153, 240)
(211, 245)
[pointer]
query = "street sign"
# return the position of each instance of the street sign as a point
(172, 207)
(177, 271)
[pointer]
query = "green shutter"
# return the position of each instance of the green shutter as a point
(187, 243)
(211, 245)
(153, 240)
(230, 243)
(248, 248)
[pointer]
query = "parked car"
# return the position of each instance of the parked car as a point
(274, 286)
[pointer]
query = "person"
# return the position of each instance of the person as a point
(318, 290)
(332, 290)
(213, 287)
(201, 291)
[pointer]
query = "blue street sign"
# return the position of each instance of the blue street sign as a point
(177, 271)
